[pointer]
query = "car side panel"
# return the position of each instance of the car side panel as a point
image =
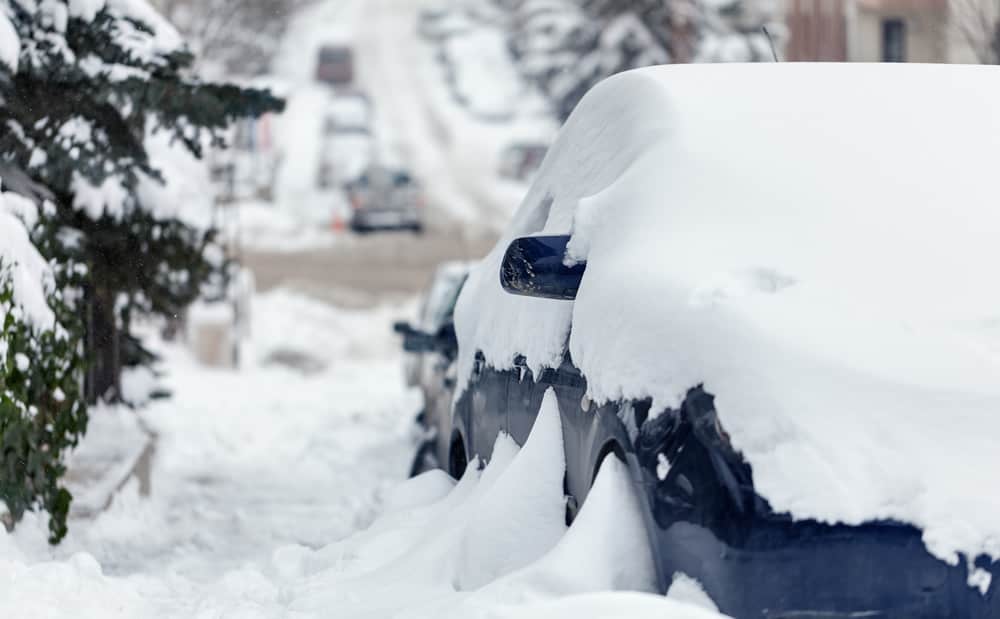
(480, 413)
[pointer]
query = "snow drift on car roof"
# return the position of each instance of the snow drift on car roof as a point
(817, 245)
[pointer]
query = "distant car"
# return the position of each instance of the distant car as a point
(349, 112)
(384, 198)
(344, 157)
(768, 290)
(520, 161)
(430, 361)
(335, 65)
(442, 23)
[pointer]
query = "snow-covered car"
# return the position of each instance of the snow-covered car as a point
(384, 198)
(429, 362)
(344, 157)
(771, 291)
(349, 112)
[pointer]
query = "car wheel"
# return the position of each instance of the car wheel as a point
(417, 229)
(457, 460)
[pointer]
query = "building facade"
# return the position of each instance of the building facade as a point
(935, 31)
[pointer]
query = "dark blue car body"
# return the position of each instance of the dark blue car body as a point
(704, 518)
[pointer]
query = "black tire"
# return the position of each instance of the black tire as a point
(457, 460)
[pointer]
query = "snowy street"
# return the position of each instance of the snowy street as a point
(278, 490)
(499, 309)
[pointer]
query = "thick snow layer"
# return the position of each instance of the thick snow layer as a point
(816, 245)
(30, 274)
(274, 494)
(185, 192)
(10, 44)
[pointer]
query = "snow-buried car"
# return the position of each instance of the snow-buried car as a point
(771, 290)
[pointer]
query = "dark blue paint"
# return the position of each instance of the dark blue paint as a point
(535, 266)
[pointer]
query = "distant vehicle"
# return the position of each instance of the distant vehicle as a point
(520, 161)
(349, 112)
(439, 24)
(768, 298)
(344, 158)
(335, 65)
(383, 198)
(430, 361)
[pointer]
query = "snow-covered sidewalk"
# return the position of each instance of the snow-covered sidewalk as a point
(276, 493)
(247, 463)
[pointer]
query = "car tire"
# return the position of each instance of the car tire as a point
(458, 461)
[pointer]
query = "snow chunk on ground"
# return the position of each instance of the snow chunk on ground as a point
(836, 304)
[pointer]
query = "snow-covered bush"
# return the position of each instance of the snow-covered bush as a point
(91, 81)
(42, 412)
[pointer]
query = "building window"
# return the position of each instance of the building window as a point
(893, 40)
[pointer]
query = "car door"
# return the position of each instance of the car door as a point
(524, 399)
(481, 412)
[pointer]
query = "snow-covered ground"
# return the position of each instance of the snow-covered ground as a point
(277, 492)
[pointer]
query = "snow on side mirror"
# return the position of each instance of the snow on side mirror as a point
(534, 266)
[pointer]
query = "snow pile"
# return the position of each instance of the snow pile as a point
(495, 545)
(819, 255)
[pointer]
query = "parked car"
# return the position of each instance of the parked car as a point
(439, 24)
(335, 65)
(766, 289)
(429, 364)
(349, 112)
(344, 158)
(384, 198)
(520, 161)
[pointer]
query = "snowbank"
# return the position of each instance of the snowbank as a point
(813, 243)
(275, 495)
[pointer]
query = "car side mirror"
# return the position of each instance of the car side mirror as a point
(419, 341)
(415, 340)
(534, 266)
